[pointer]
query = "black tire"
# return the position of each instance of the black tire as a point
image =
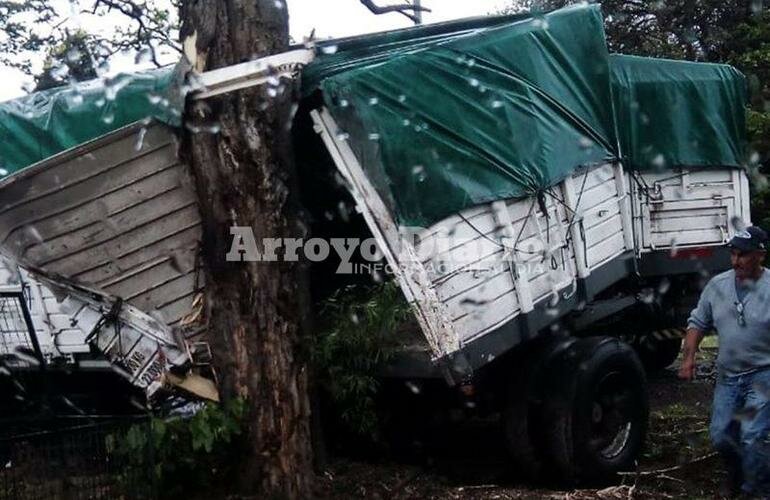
(597, 409)
(522, 413)
(657, 354)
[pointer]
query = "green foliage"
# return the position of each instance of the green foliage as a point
(359, 332)
(69, 61)
(188, 455)
(679, 29)
(33, 29)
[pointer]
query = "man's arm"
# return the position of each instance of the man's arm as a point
(691, 342)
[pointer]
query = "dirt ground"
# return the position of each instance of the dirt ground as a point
(677, 461)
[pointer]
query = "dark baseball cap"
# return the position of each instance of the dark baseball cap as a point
(748, 240)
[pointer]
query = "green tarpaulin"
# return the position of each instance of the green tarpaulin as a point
(495, 113)
(37, 126)
(678, 113)
(444, 117)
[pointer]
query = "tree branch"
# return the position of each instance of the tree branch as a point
(405, 9)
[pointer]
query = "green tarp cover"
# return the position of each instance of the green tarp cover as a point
(37, 126)
(492, 113)
(678, 113)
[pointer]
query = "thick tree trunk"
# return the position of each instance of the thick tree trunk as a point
(242, 164)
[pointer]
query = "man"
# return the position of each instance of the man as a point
(736, 304)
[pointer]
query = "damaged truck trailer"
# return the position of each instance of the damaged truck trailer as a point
(547, 210)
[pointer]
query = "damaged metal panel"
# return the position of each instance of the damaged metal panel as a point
(119, 213)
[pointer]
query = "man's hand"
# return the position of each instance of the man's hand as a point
(687, 370)
(691, 343)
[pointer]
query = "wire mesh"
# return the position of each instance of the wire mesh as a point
(66, 461)
(14, 331)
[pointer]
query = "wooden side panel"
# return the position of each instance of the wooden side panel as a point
(119, 213)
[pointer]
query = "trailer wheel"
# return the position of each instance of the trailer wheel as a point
(657, 354)
(520, 420)
(522, 415)
(596, 415)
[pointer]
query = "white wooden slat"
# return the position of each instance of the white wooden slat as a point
(598, 195)
(605, 250)
(603, 231)
(693, 222)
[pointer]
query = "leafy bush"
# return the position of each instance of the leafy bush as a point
(188, 454)
(359, 332)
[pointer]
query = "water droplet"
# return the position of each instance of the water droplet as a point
(373, 101)
(374, 136)
(664, 286)
(754, 158)
(419, 172)
(60, 72)
(342, 209)
(474, 82)
(673, 244)
(140, 139)
(74, 55)
(585, 142)
(343, 136)
(471, 63)
(108, 118)
(3, 171)
(659, 161)
(344, 103)
(154, 98)
(497, 104)
(647, 295)
(354, 318)
(329, 49)
(279, 4)
(413, 387)
(32, 230)
(143, 56)
(402, 98)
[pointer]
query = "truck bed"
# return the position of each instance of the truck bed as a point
(485, 279)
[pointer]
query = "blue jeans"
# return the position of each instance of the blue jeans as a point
(740, 427)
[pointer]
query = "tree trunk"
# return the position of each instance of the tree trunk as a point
(240, 155)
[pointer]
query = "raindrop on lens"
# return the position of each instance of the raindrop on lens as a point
(413, 387)
(419, 172)
(329, 49)
(140, 139)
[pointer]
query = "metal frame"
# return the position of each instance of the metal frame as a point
(21, 299)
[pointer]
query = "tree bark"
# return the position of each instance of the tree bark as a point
(239, 151)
